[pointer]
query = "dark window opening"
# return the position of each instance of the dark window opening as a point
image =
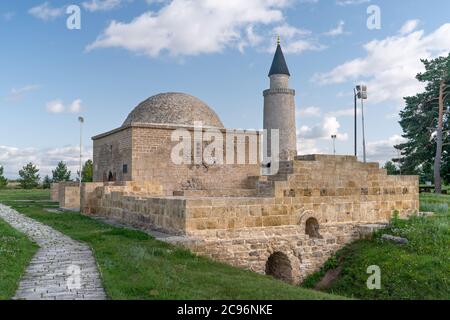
(125, 169)
(312, 228)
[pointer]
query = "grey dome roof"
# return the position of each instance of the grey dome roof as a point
(174, 108)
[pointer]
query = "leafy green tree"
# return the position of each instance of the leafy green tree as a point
(419, 121)
(391, 168)
(61, 173)
(87, 172)
(29, 177)
(3, 180)
(47, 183)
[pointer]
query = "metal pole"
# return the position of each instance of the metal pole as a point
(363, 131)
(356, 123)
(81, 149)
(334, 146)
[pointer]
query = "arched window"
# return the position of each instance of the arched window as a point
(279, 267)
(110, 177)
(312, 228)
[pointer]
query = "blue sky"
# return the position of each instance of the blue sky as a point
(219, 51)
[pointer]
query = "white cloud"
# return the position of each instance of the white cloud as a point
(75, 106)
(55, 106)
(46, 12)
(18, 94)
(350, 2)
(350, 112)
(383, 150)
(309, 112)
(58, 106)
(295, 40)
(199, 27)
(409, 26)
(329, 126)
(102, 5)
(13, 159)
(308, 146)
(307, 137)
(339, 30)
(390, 65)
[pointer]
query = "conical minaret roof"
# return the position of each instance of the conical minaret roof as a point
(279, 65)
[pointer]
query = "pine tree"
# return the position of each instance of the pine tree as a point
(61, 173)
(391, 168)
(47, 183)
(87, 172)
(419, 121)
(29, 177)
(3, 180)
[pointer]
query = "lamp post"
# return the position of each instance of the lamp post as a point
(356, 122)
(81, 121)
(334, 143)
(362, 95)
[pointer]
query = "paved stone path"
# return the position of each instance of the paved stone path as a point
(62, 269)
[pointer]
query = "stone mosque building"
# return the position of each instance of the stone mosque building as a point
(286, 224)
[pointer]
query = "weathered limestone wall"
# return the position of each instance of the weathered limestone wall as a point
(54, 192)
(111, 152)
(139, 204)
(69, 195)
(311, 208)
(250, 248)
(146, 149)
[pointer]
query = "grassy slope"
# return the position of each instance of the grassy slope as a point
(419, 270)
(16, 252)
(136, 266)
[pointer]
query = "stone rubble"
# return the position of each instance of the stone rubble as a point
(398, 240)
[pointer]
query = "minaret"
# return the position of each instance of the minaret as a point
(279, 108)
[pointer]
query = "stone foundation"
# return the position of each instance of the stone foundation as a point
(294, 220)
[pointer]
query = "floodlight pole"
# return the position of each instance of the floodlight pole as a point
(356, 122)
(81, 120)
(334, 143)
(363, 130)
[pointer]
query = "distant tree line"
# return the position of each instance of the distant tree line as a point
(29, 177)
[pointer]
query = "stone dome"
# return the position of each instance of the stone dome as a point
(174, 108)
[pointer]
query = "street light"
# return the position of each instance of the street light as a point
(81, 121)
(361, 91)
(334, 143)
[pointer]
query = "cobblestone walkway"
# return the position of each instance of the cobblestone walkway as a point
(62, 269)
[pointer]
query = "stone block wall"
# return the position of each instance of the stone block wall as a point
(112, 151)
(316, 204)
(146, 150)
(69, 195)
(252, 248)
(54, 192)
(139, 204)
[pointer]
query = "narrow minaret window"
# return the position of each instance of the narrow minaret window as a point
(279, 108)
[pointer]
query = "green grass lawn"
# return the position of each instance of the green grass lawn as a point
(136, 266)
(16, 252)
(418, 270)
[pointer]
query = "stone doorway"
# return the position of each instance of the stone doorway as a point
(279, 266)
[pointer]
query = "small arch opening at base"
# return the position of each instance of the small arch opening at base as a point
(279, 267)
